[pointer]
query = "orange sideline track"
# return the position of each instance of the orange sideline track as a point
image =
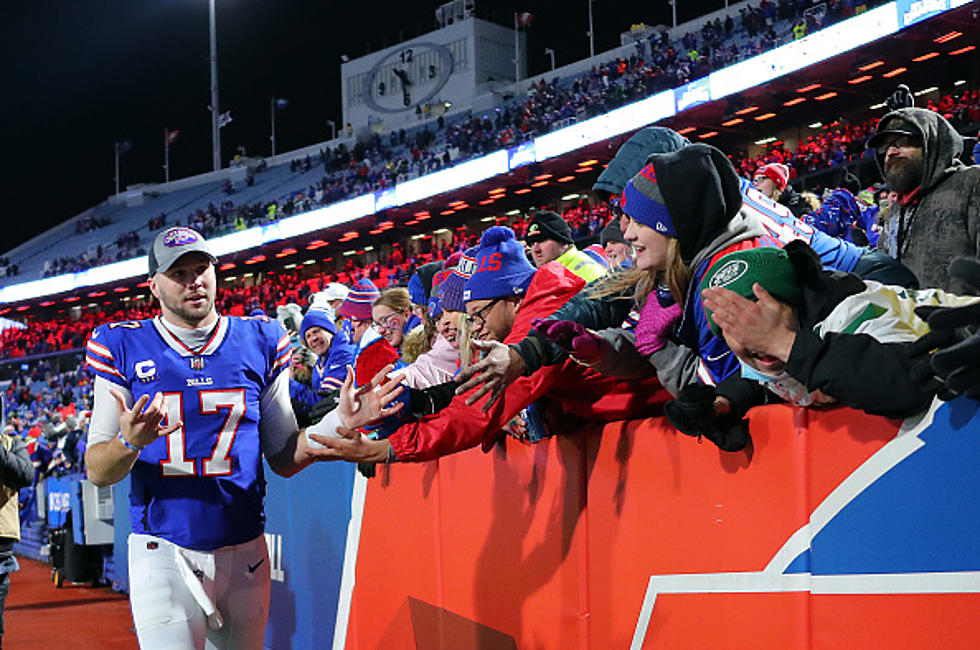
(39, 615)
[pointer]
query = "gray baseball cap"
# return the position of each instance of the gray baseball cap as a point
(171, 244)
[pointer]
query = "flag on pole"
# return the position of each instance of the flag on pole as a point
(523, 19)
(224, 119)
(281, 103)
(172, 136)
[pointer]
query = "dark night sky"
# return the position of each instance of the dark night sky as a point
(78, 76)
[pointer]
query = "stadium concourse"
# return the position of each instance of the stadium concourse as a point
(805, 132)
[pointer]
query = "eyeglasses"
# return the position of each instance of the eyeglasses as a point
(898, 140)
(478, 318)
(389, 322)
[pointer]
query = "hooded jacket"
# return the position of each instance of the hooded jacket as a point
(578, 391)
(940, 219)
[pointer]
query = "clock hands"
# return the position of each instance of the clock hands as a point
(406, 84)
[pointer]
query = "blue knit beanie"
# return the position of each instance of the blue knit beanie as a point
(451, 289)
(416, 290)
(643, 201)
(316, 318)
(502, 267)
(358, 304)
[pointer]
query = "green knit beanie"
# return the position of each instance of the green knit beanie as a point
(738, 271)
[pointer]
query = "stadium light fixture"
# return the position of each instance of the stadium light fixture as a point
(523, 190)
(963, 50)
(825, 96)
(289, 266)
(860, 80)
(513, 213)
(733, 121)
(815, 125)
(368, 249)
(806, 89)
(376, 231)
(747, 110)
(794, 101)
(231, 278)
(709, 134)
(587, 163)
(485, 219)
(765, 140)
(580, 170)
(565, 179)
(498, 190)
(413, 222)
(485, 202)
(308, 262)
(925, 57)
(686, 130)
(539, 184)
(570, 197)
(765, 116)
(947, 37)
(871, 66)
(423, 216)
(960, 82)
(423, 213)
(446, 213)
(454, 204)
(894, 72)
(440, 231)
(925, 91)
(121, 289)
(544, 177)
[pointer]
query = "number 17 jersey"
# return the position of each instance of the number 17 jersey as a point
(202, 486)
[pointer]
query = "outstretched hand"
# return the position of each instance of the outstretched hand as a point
(367, 405)
(500, 367)
(576, 339)
(140, 426)
(350, 446)
(765, 327)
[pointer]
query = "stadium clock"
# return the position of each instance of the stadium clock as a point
(408, 77)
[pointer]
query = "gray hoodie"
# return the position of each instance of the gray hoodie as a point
(939, 220)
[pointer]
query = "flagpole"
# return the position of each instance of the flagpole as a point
(517, 52)
(215, 112)
(166, 156)
(116, 147)
(591, 33)
(272, 119)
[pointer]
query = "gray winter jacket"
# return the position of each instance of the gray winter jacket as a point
(939, 220)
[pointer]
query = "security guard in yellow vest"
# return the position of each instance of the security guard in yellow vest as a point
(550, 239)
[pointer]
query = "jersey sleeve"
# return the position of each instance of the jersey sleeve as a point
(280, 351)
(103, 354)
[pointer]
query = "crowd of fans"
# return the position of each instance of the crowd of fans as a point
(376, 162)
(126, 245)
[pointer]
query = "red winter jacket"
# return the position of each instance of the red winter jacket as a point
(575, 389)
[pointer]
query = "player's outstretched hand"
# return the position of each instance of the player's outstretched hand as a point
(500, 367)
(350, 446)
(367, 405)
(140, 426)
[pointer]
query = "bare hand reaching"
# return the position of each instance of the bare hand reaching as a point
(499, 368)
(141, 427)
(364, 406)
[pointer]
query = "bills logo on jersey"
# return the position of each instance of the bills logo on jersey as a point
(180, 237)
(197, 363)
(146, 371)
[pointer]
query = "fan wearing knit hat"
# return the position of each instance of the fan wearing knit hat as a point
(493, 293)
(771, 180)
(550, 240)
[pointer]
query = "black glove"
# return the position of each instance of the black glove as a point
(367, 470)
(947, 359)
(693, 414)
(324, 406)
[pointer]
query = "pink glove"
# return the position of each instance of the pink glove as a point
(571, 337)
(654, 326)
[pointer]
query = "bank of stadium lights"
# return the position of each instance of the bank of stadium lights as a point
(963, 50)
(733, 121)
(808, 88)
(486, 219)
(570, 197)
(513, 213)
(925, 91)
(289, 266)
(871, 66)
(947, 37)
(764, 117)
(565, 179)
(925, 57)
(895, 72)
(709, 134)
(825, 96)
(766, 140)
(960, 82)
(440, 231)
(815, 125)
(308, 262)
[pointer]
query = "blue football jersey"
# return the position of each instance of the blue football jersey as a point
(202, 486)
(782, 227)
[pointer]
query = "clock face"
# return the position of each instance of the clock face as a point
(408, 77)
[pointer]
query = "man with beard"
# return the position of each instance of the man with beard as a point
(937, 215)
(186, 405)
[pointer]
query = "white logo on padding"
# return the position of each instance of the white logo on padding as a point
(661, 227)
(730, 272)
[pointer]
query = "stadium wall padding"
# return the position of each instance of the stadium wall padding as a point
(835, 529)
